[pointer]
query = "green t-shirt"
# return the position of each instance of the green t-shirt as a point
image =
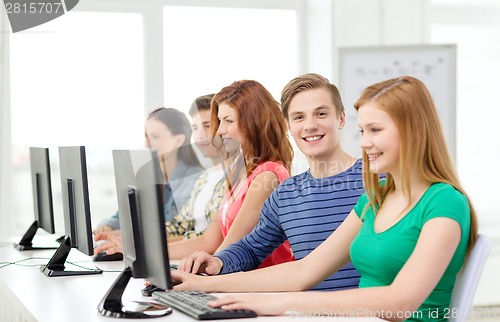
(379, 257)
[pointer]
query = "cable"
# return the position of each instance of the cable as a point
(105, 271)
(5, 264)
(83, 267)
(87, 261)
(17, 263)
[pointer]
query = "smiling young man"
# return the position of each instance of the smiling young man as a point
(306, 208)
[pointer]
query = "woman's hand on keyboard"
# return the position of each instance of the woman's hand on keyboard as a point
(201, 262)
(262, 304)
(188, 282)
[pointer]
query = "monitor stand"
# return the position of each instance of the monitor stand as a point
(55, 266)
(111, 304)
(26, 242)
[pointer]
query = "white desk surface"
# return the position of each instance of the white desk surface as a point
(74, 298)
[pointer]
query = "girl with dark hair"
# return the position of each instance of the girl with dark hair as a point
(167, 131)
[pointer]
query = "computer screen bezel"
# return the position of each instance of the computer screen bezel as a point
(42, 188)
(139, 179)
(139, 188)
(73, 173)
(76, 209)
(43, 206)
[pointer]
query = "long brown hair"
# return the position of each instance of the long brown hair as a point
(423, 146)
(259, 119)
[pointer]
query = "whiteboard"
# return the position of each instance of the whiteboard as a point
(434, 65)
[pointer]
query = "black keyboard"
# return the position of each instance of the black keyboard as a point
(194, 304)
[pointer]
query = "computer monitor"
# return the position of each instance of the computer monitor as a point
(76, 209)
(139, 187)
(42, 199)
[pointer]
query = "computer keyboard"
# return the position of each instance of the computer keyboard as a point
(194, 304)
(148, 290)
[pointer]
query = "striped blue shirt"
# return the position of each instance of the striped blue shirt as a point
(305, 210)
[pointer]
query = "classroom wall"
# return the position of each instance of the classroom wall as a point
(330, 25)
(348, 23)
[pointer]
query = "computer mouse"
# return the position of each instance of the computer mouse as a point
(103, 257)
(148, 290)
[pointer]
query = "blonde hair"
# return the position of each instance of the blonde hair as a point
(410, 105)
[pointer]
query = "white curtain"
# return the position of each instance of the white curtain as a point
(6, 215)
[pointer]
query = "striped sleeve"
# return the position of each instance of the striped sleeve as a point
(248, 253)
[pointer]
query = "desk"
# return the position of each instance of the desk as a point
(28, 295)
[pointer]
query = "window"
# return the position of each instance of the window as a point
(207, 48)
(90, 76)
(77, 80)
(84, 79)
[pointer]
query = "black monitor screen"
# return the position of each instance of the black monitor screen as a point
(42, 189)
(139, 186)
(75, 198)
(140, 205)
(42, 199)
(76, 208)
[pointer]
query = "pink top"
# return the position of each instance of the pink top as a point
(229, 211)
